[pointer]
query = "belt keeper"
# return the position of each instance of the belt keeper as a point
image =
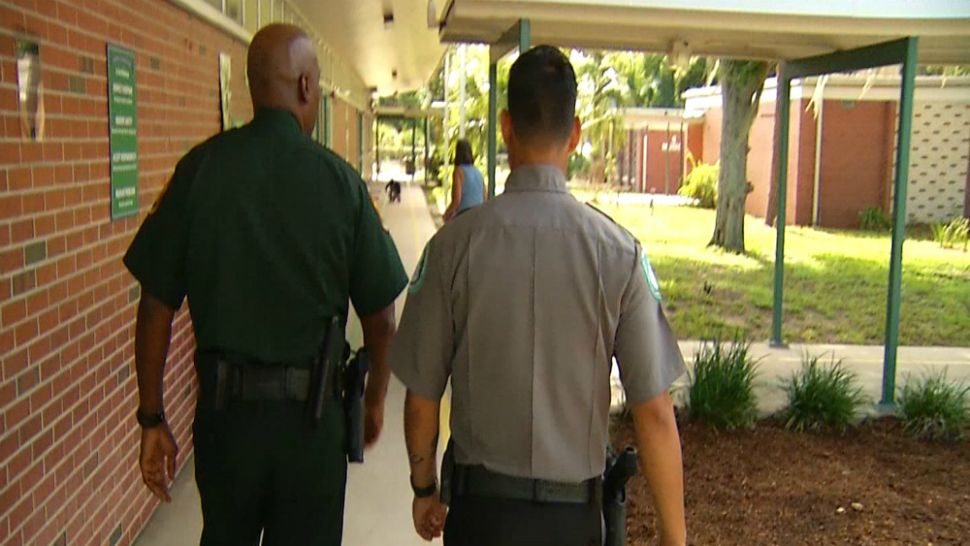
(222, 380)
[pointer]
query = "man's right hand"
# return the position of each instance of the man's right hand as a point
(429, 516)
(157, 461)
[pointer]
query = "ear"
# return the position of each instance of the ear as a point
(575, 134)
(304, 88)
(507, 132)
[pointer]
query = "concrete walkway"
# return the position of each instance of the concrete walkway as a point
(378, 497)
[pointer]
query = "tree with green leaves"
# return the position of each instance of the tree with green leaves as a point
(742, 83)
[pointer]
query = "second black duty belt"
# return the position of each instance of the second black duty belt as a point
(480, 482)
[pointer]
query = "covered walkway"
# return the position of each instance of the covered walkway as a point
(378, 498)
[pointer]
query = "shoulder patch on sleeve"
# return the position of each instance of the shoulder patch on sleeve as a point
(417, 279)
(650, 276)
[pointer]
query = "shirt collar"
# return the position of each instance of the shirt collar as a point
(281, 120)
(536, 178)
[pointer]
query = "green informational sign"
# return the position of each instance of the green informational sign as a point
(123, 127)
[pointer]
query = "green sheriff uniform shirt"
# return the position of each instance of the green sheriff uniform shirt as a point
(268, 234)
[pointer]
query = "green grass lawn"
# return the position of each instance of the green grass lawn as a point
(835, 281)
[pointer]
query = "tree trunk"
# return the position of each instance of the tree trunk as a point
(741, 84)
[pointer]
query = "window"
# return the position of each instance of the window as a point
(234, 10)
(252, 17)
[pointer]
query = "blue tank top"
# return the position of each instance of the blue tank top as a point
(473, 188)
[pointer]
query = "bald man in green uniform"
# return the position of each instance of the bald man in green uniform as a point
(268, 235)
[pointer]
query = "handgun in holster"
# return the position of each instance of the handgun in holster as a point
(619, 469)
(329, 361)
(354, 375)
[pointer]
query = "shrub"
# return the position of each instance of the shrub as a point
(578, 166)
(701, 184)
(952, 233)
(874, 219)
(822, 397)
(721, 392)
(933, 408)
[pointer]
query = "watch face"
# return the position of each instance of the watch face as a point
(150, 420)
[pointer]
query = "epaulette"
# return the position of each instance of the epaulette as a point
(615, 223)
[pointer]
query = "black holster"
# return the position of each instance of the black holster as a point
(354, 376)
(329, 361)
(619, 469)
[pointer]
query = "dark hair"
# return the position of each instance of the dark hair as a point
(463, 153)
(542, 95)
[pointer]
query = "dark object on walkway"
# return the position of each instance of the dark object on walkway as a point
(619, 469)
(393, 190)
(353, 384)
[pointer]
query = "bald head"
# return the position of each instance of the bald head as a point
(284, 73)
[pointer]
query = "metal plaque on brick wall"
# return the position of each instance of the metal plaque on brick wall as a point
(123, 129)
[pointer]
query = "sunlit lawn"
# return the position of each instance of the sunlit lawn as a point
(835, 281)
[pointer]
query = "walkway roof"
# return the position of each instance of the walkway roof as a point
(762, 29)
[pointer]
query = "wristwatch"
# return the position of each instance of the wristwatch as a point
(150, 420)
(424, 492)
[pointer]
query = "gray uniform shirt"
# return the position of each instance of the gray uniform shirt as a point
(522, 302)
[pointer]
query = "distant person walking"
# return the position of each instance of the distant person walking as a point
(467, 185)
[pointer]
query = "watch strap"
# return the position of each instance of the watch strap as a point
(424, 492)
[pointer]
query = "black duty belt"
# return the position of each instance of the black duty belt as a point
(243, 379)
(478, 481)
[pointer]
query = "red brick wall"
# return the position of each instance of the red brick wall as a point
(759, 160)
(801, 158)
(856, 163)
(68, 441)
(695, 143)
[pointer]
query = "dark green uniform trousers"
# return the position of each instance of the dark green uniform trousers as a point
(261, 467)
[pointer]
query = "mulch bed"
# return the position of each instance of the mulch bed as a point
(769, 486)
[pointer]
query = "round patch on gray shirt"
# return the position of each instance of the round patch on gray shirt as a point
(650, 276)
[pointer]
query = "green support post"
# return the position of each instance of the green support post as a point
(492, 121)
(900, 186)
(781, 194)
(426, 138)
(525, 35)
(414, 151)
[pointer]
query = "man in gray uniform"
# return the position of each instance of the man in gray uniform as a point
(522, 303)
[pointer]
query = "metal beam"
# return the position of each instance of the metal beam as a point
(510, 40)
(900, 186)
(781, 195)
(886, 53)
